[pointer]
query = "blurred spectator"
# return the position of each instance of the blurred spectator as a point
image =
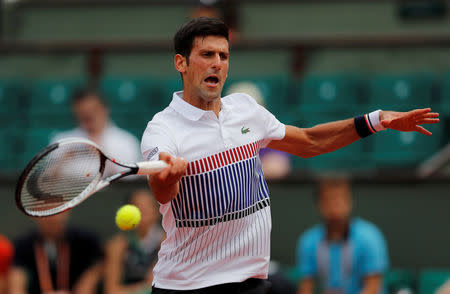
(347, 254)
(130, 256)
(56, 259)
(6, 257)
(205, 10)
(225, 10)
(92, 115)
(276, 164)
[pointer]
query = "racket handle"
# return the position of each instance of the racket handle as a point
(150, 167)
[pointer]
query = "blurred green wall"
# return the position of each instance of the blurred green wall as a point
(257, 19)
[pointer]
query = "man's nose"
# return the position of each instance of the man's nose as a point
(217, 62)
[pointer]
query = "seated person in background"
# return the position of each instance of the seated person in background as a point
(227, 11)
(56, 259)
(130, 256)
(6, 257)
(348, 255)
(206, 10)
(92, 115)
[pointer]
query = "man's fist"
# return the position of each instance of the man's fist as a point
(165, 183)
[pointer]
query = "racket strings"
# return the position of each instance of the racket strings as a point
(60, 176)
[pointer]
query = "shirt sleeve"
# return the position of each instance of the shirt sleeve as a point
(274, 129)
(375, 256)
(306, 257)
(156, 139)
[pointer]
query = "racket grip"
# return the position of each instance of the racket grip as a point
(150, 167)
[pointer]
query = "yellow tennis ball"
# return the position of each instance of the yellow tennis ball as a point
(128, 217)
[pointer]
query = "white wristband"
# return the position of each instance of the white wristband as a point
(374, 120)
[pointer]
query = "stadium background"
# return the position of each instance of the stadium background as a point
(314, 61)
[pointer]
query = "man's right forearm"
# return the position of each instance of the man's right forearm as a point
(164, 184)
(163, 193)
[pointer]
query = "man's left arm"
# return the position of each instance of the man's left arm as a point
(328, 137)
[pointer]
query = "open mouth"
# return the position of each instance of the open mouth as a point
(212, 80)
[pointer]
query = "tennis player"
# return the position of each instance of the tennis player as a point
(213, 195)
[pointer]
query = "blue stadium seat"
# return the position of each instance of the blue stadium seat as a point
(53, 95)
(292, 274)
(334, 95)
(397, 149)
(168, 86)
(132, 100)
(444, 106)
(9, 149)
(12, 92)
(35, 140)
(396, 280)
(49, 103)
(431, 280)
(131, 94)
(401, 92)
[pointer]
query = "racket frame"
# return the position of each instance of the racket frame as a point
(94, 186)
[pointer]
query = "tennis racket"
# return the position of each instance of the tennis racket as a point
(66, 173)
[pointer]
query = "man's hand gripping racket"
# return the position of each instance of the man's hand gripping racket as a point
(66, 173)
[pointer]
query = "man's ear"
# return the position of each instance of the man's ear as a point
(180, 63)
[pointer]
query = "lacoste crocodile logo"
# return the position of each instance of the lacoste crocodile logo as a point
(245, 131)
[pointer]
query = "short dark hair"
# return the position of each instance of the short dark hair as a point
(198, 27)
(81, 94)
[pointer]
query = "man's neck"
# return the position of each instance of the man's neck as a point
(337, 231)
(206, 105)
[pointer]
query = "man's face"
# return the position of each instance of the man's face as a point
(91, 114)
(205, 73)
(335, 202)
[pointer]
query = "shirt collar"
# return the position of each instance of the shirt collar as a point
(187, 110)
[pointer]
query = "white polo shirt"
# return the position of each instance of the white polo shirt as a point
(218, 226)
